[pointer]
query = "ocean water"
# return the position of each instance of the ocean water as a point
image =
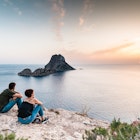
(104, 91)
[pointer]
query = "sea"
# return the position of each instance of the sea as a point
(103, 92)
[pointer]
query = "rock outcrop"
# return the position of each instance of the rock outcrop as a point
(56, 64)
(62, 125)
(26, 72)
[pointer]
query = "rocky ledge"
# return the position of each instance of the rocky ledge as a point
(62, 125)
(56, 64)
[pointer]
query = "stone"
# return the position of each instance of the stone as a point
(25, 72)
(67, 125)
(57, 63)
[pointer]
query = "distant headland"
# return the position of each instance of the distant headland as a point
(56, 64)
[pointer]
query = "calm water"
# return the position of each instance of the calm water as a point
(106, 91)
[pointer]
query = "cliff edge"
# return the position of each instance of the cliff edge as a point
(62, 125)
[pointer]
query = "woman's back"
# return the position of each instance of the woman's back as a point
(25, 110)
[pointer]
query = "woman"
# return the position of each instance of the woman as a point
(30, 108)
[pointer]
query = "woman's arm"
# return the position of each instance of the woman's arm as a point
(37, 101)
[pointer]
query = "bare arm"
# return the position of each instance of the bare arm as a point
(37, 101)
(17, 95)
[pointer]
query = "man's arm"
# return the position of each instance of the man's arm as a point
(17, 95)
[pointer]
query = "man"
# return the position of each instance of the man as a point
(9, 97)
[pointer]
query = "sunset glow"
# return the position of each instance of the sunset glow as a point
(83, 31)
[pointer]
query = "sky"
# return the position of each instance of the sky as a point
(83, 31)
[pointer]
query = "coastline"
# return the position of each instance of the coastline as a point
(62, 125)
(102, 89)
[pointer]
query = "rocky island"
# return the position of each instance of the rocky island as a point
(56, 64)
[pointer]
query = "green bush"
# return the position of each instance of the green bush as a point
(116, 131)
(11, 136)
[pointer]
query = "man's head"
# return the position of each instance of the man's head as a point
(12, 85)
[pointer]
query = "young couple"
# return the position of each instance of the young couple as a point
(28, 109)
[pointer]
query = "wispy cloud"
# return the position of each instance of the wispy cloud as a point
(118, 54)
(87, 9)
(59, 13)
(13, 6)
(114, 49)
(85, 22)
(81, 21)
(89, 28)
(75, 56)
(18, 11)
(121, 54)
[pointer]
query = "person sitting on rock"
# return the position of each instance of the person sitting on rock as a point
(30, 108)
(9, 97)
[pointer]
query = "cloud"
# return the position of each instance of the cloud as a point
(81, 21)
(59, 13)
(19, 12)
(116, 55)
(87, 9)
(14, 7)
(121, 54)
(85, 21)
(75, 56)
(89, 28)
(8, 2)
(114, 49)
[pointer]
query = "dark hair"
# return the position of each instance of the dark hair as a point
(12, 85)
(29, 92)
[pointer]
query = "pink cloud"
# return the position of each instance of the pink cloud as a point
(59, 13)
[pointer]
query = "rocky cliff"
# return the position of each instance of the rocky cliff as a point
(56, 64)
(62, 125)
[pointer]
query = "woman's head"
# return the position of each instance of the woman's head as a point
(29, 92)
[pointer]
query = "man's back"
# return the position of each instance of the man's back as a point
(5, 96)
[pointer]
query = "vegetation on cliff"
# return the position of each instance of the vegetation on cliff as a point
(116, 131)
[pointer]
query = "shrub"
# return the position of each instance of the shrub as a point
(11, 136)
(116, 131)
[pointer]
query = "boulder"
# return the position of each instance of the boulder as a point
(57, 63)
(25, 72)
